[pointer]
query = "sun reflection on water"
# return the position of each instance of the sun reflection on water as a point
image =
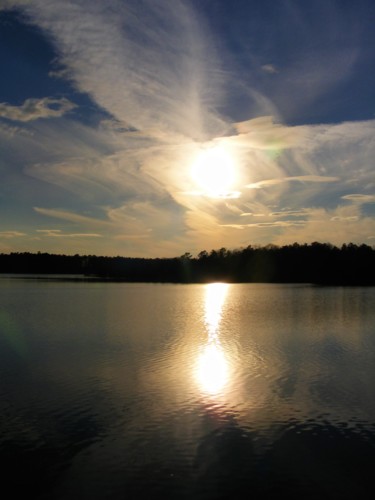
(212, 366)
(212, 369)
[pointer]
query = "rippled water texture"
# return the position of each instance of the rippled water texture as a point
(112, 390)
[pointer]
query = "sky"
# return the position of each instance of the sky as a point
(151, 128)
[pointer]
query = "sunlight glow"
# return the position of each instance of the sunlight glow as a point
(215, 173)
(212, 366)
(214, 301)
(212, 369)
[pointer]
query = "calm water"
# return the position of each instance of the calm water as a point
(121, 391)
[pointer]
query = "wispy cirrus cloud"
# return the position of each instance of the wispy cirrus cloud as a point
(360, 198)
(300, 178)
(72, 217)
(334, 226)
(159, 77)
(331, 225)
(144, 71)
(277, 223)
(58, 233)
(11, 234)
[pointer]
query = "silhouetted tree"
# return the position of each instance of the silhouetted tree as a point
(320, 263)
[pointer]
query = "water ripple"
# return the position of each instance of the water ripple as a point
(120, 400)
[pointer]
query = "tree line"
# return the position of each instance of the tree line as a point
(319, 263)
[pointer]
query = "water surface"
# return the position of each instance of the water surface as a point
(115, 390)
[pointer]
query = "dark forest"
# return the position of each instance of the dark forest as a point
(319, 263)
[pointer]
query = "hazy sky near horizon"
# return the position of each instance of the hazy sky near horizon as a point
(156, 127)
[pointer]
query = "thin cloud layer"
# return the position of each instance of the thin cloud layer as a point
(301, 178)
(57, 233)
(151, 71)
(360, 198)
(11, 234)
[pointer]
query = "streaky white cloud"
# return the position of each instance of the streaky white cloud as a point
(159, 77)
(99, 176)
(273, 224)
(359, 198)
(58, 233)
(340, 225)
(145, 218)
(34, 109)
(11, 234)
(291, 213)
(300, 178)
(137, 188)
(144, 70)
(72, 217)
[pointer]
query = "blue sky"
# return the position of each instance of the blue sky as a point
(156, 127)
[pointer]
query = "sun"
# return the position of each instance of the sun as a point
(214, 172)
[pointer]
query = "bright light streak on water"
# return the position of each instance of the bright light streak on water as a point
(212, 367)
(213, 370)
(121, 390)
(214, 301)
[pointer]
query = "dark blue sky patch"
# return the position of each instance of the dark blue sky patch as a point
(29, 63)
(314, 60)
(26, 58)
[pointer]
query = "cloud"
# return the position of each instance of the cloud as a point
(263, 133)
(277, 223)
(161, 80)
(34, 109)
(340, 218)
(290, 213)
(359, 198)
(300, 178)
(147, 219)
(139, 190)
(269, 68)
(12, 131)
(11, 234)
(144, 71)
(57, 233)
(340, 225)
(97, 175)
(72, 217)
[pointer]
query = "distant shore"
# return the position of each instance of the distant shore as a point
(317, 263)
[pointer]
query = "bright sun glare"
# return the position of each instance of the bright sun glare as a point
(212, 367)
(214, 172)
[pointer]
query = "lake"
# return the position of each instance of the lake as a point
(118, 390)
